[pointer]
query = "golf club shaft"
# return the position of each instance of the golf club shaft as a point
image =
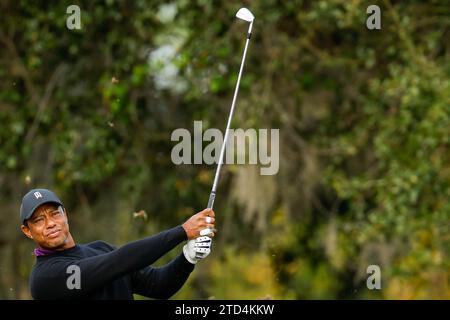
(212, 195)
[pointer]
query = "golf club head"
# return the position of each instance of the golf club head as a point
(245, 14)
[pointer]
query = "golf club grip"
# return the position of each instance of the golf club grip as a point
(212, 196)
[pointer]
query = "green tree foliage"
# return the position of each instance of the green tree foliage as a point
(364, 118)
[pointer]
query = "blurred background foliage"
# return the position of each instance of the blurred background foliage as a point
(364, 118)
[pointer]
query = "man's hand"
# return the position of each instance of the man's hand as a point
(197, 249)
(200, 224)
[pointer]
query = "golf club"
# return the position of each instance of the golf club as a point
(246, 15)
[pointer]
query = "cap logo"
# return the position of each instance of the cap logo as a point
(38, 195)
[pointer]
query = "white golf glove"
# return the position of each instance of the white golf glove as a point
(197, 249)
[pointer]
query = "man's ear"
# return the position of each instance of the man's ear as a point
(65, 214)
(26, 231)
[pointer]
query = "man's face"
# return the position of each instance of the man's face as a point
(48, 226)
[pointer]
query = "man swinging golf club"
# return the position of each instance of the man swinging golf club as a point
(106, 272)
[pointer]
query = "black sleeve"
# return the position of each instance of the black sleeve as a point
(164, 282)
(100, 270)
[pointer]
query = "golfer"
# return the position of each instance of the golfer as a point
(98, 270)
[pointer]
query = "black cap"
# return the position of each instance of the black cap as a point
(33, 199)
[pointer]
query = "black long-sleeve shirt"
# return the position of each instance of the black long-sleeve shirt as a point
(110, 273)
